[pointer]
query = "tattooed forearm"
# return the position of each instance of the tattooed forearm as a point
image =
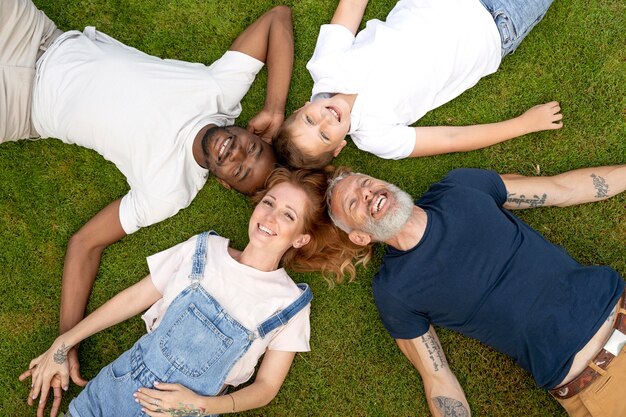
(185, 410)
(60, 356)
(602, 188)
(435, 353)
(533, 202)
(449, 407)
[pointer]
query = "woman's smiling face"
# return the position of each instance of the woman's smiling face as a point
(277, 222)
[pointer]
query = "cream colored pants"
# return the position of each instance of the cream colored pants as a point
(25, 33)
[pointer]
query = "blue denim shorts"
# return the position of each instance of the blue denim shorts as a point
(515, 19)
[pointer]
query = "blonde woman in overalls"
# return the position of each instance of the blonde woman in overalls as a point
(214, 312)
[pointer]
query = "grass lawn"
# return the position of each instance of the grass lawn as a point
(577, 56)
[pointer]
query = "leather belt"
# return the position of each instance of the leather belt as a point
(601, 360)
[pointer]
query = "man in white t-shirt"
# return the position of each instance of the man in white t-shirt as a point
(372, 85)
(164, 123)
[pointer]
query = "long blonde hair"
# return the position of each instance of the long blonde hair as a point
(329, 251)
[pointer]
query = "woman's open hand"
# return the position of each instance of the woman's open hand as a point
(49, 370)
(169, 400)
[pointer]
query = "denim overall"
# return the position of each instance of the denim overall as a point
(196, 345)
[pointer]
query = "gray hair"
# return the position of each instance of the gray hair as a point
(332, 183)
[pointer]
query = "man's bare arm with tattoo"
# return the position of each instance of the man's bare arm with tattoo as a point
(443, 392)
(567, 189)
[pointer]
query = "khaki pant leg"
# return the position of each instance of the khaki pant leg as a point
(605, 397)
(25, 33)
(574, 407)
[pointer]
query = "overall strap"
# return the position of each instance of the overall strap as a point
(282, 317)
(199, 256)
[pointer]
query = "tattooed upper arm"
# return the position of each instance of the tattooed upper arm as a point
(443, 391)
(436, 357)
(426, 354)
(526, 192)
(531, 192)
(514, 201)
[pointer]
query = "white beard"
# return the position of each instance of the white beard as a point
(394, 220)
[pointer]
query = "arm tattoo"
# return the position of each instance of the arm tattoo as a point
(60, 356)
(185, 410)
(602, 188)
(533, 202)
(449, 407)
(611, 316)
(435, 353)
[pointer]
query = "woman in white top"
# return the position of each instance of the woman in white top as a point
(215, 311)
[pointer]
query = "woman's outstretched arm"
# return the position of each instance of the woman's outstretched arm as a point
(53, 363)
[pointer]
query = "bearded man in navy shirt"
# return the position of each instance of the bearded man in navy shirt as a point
(457, 258)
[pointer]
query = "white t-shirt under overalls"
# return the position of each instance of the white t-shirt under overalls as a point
(248, 295)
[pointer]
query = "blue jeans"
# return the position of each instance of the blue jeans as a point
(515, 19)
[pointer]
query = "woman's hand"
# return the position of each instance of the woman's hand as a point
(48, 370)
(170, 400)
(55, 385)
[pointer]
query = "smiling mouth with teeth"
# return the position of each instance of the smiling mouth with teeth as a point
(334, 113)
(265, 230)
(223, 148)
(378, 203)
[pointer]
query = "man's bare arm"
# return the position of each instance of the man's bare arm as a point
(270, 40)
(82, 260)
(573, 187)
(443, 392)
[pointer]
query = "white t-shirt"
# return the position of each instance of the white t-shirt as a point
(425, 54)
(139, 111)
(248, 295)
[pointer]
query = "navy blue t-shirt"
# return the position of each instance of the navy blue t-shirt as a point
(481, 271)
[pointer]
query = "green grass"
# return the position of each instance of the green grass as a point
(576, 56)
